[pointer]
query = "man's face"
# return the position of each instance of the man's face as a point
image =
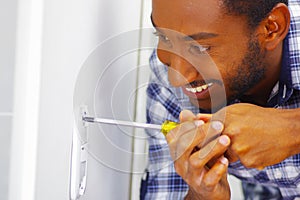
(213, 57)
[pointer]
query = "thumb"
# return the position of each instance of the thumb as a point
(213, 130)
(217, 126)
(204, 117)
(186, 115)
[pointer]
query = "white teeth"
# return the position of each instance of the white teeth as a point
(200, 88)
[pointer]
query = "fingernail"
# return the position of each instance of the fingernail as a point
(198, 123)
(217, 125)
(186, 114)
(224, 160)
(224, 140)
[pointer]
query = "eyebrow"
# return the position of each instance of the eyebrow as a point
(196, 36)
(201, 36)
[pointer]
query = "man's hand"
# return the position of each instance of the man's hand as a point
(197, 150)
(259, 136)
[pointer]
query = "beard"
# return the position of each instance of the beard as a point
(249, 72)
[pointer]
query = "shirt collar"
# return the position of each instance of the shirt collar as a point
(283, 90)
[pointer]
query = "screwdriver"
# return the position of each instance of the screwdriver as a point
(164, 128)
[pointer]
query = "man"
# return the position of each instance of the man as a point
(244, 55)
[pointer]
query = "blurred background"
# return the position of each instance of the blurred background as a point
(59, 58)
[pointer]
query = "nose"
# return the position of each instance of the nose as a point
(180, 71)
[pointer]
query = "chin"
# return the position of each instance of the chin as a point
(204, 105)
(207, 106)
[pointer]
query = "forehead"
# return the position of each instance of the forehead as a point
(185, 14)
(190, 16)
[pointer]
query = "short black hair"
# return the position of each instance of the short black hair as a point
(254, 10)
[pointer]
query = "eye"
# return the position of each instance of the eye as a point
(163, 38)
(198, 49)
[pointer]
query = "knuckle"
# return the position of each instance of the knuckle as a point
(239, 149)
(218, 173)
(178, 168)
(208, 185)
(235, 148)
(233, 131)
(194, 163)
(188, 180)
(181, 168)
(250, 163)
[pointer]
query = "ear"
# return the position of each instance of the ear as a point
(276, 26)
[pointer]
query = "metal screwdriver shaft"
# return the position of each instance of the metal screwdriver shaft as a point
(164, 128)
(122, 123)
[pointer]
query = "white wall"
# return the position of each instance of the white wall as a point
(54, 39)
(7, 59)
(111, 79)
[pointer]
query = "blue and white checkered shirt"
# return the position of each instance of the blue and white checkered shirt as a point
(165, 102)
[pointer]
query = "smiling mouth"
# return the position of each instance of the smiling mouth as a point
(199, 89)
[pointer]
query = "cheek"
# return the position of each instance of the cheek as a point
(228, 58)
(231, 49)
(163, 56)
(230, 55)
(226, 72)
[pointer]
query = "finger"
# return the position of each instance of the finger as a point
(183, 139)
(182, 129)
(182, 144)
(186, 141)
(210, 130)
(213, 130)
(181, 148)
(214, 149)
(213, 177)
(186, 115)
(204, 117)
(220, 115)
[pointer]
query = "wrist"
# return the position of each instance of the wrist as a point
(291, 118)
(191, 195)
(286, 131)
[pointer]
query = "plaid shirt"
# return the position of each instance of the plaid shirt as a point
(165, 102)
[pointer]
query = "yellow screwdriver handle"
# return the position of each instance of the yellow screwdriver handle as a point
(167, 126)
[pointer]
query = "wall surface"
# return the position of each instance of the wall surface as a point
(58, 39)
(72, 32)
(8, 14)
